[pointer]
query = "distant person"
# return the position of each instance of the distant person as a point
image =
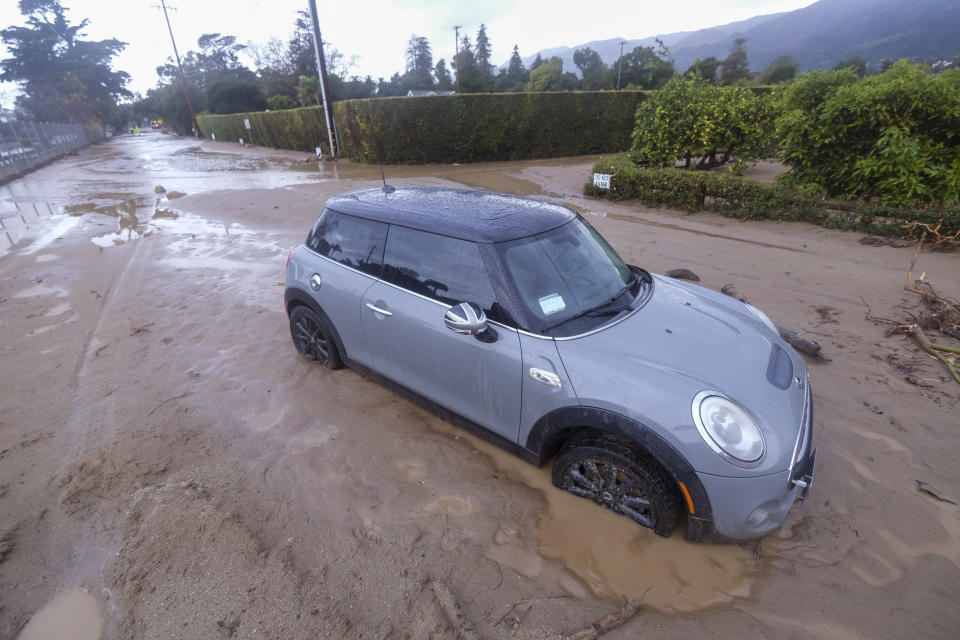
(137, 129)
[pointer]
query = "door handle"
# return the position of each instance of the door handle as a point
(374, 307)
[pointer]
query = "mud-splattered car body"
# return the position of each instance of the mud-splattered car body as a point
(513, 318)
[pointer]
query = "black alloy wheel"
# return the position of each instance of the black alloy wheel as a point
(313, 338)
(626, 482)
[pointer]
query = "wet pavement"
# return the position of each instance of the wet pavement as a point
(183, 449)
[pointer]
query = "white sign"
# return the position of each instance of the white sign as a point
(213, 137)
(241, 142)
(552, 303)
(246, 123)
(601, 180)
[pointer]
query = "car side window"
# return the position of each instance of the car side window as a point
(442, 268)
(351, 241)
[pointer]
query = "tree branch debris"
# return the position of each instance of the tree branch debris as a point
(941, 315)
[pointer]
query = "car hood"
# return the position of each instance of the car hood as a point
(684, 340)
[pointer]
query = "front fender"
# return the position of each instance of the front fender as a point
(549, 432)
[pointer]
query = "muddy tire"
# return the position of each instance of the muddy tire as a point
(313, 338)
(624, 481)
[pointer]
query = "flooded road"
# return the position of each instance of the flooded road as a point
(164, 453)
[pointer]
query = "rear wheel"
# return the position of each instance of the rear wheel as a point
(313, 338)
(624, 481)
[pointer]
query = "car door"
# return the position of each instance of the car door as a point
(340, 261)
(478, 377)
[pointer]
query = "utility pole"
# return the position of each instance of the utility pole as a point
(456, 47)
(620, 65)
(183, 79)
(324, 88)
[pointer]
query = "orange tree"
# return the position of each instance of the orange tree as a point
(703, 125)
(894, 135)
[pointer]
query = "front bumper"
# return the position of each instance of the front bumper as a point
(748, 508)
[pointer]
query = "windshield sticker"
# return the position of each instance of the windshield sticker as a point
(552, 303)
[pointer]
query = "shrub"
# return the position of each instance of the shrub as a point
(741, 198)
(280, 102)
(703, 125)
(895, 135)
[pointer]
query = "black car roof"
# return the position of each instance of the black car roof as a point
(468, 214)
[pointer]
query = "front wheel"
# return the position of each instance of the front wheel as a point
(313, 338)
(626, 482)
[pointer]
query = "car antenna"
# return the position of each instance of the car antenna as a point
(388, 189)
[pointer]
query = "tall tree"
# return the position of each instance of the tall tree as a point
(465, 63)
(216, 58)
(706, 68)
(735, 66)
(442, 74)
(781, 69)
(647, 68)
(63, 77)
(594, 73)
(547, 77)
(858, 64)
(419, 67)
(517, 75)
(484, 66)
(300, 46)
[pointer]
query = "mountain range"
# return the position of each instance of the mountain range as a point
(817, 36)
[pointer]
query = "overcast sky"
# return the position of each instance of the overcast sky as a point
(377, 31)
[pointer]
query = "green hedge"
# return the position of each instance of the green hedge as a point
(459, 128)
(742, 198)
(298, 129)
(482, 127)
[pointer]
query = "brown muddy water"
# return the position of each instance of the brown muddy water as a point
(72, 615)
(202, 481)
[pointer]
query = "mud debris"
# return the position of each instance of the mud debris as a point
(683, 274)
(933, 492)
(731, 291)
(6, 543)
(805, 346)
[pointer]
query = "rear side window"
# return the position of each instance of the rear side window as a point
(351, 241)
(442, 268)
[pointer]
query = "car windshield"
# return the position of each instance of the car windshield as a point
(565, 273)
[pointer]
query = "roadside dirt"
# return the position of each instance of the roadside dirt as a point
(166, 455)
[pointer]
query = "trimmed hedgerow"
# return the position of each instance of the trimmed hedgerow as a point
(298, 129)
(742, 198)
(483, 127)
(458, 128)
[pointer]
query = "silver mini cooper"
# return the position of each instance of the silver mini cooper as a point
(514, 319)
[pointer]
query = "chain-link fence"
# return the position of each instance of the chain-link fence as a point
(25, 145)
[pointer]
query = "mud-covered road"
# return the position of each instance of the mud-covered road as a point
(170, 468)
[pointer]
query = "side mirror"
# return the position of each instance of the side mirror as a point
(466, 318)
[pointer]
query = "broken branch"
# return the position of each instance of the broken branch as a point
(609, 622)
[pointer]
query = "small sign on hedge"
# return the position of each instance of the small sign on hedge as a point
(602, 180)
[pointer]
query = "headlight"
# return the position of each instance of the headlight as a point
(727, 428)
(763, 318)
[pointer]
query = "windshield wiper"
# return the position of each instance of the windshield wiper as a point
(599, 310)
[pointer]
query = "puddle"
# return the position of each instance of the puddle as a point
(615, 557)
(73, 615)
(41, 290)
